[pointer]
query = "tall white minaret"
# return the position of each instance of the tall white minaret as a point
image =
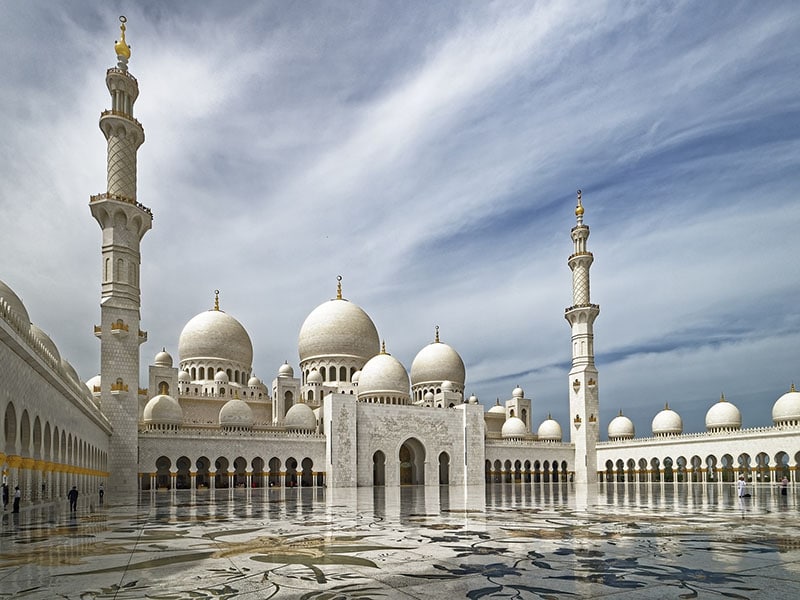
(124, 222)
(583, 402)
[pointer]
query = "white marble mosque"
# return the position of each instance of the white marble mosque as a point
(348, 415)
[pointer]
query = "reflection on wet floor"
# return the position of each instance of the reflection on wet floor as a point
(498, 541)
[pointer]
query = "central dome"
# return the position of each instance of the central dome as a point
(216, 334)
(338, 328)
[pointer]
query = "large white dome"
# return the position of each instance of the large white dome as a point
(437, 362)
(300, 417)
(163, 410)
(667, 422)
(338, 328)
(383, 374)
(15, 305)
(787, 408)
(236, 413)
(514, 429)
(214, 334)
(723, 416)
(621, 428)
(549, 430)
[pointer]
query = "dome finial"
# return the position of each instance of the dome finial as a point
(338, 287)
(722, 397)
(791, 389)
(216, 299)
(121, 46)
(579, 208)
(383, 346)
(620, 412)
(436, 337)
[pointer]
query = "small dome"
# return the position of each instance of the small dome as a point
(15, 305)
(286, 370)
(447, 386)
(356, 376)
(621, 428)
(667, 422)
(787, 408)
(254, 381)
(221, 377)
(235, 413)
(338, 328)
(514, 428)
(428, 397)
(383, 373)
(473, 399)
(314, 377)
(722, 416)
(300, 417)
(163, 410)
(42, 337)
(184, 376)
(214, 334)
(497, 409)
(518, 392)
(549, 430)
(437, 362)
(92, 383)
(163, 359)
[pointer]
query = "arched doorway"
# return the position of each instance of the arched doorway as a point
(307, 475)
(412, 462)
(163, 465)
(378, 468)
(444, 469)
(183, 480)
(201, 479)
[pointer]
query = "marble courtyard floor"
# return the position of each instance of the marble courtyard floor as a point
(623, 541)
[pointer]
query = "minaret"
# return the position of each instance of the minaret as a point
(124, 222)
(583, 403)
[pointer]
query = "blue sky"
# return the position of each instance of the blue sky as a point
(429, 153)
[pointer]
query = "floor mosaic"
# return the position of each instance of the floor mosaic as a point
(624, 541)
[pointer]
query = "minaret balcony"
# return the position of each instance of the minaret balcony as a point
(119, 113)
(142, 336)
(143, 391)
(98, 331)
(118, 198)
(579, 306)
(119, 329)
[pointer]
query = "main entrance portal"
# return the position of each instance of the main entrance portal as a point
(412, 462)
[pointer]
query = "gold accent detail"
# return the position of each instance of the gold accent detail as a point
(143, 391)
(119, 326)
(577, 419)
(121, 46)
(620, 412)
(98, 329)
(791, 389)
(339, 287)
(592, 418)
(591, 382)
(216, 299)
(722, 398)
(576, 385)
(119, 386)
(579, 208)
(436, 338)
(383, 346)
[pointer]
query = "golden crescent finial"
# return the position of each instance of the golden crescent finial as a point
(579, 207)
(339, 287)
(383, 346)
(722, 397)
(216, 299)
(121, 46)
(436, 339)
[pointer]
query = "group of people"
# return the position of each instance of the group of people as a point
(17, 497)
(72, 496)
(741, 487)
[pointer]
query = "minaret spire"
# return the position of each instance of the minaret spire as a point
(124, 222)
(583, 399)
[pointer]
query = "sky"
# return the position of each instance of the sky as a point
(430, 153)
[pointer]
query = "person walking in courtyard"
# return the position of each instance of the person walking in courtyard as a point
(17, 498)
(101, 492)
(742, 487)
(73, 499)
(784, 486)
